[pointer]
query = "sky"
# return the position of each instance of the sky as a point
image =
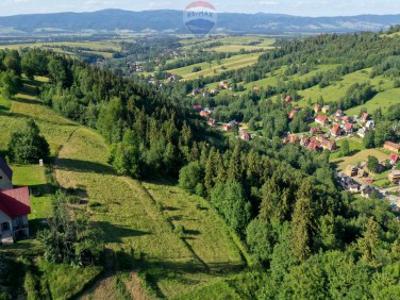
(292, 7)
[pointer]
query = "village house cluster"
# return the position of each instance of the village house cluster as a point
(329, 128)
(206, 113)
(205, 92)
(14, 207)
(357, 179)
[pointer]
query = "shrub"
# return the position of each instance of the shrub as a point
(190, 176)
(27, 145)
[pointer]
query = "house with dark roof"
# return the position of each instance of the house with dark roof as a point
(6, 175)
(14, 210)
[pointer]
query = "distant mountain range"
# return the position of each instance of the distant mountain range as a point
(172, 21)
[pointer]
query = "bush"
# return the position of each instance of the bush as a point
(70, 239)
(190, 176)
(27, 145)
(196, 69)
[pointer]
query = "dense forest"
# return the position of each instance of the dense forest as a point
(310, 239)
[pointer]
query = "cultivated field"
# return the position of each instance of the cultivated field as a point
(214, 67)
(103, 48)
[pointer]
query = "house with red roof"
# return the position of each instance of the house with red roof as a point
(322, 120)
(336, 130)
(14, 208)
(313, 145)
(348, 127)
(197, 107)
(394, 158)
(288, 99)
(205, 113)
(245, 136)
(328, 144)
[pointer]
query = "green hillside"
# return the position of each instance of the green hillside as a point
(134, 216)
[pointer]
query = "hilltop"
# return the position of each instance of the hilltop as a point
(170, 21)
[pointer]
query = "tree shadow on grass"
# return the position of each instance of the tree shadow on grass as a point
(83, 166)
(27, 101)
(114, 234)
(42, 190)
(170, 208)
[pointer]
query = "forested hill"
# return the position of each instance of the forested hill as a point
(171, 21)
(310, 239)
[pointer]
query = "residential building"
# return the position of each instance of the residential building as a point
(313, 145)
(352, 171)
(315, 130)
(326, 109)
(328, 144)
(322, 120)
(197, 107)
(245, 136)
(394, 176)
(394, 159)
(364, 117)
(205, 113)
(292, 139)
(317, 108)
(336, 130)
(304, 141)
(393, 147)
(211, 122)
(6, 175)
(288, 99)
(361, 133)
(368, 192)
(370, 125)
(224, 85)
(14, 211)
(348, 128)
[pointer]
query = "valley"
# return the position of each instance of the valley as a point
(228, 166)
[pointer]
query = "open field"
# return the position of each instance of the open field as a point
(140, 221)
(63, 281)
(247, 43)
(213, 68)
(103, 48)
(382, 100)
(231, 43)
(359, 157)
(337, 90)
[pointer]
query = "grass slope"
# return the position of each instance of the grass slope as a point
(138, 219)
(212, 68)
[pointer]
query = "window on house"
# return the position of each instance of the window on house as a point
(5, 226)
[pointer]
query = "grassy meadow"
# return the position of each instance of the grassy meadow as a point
(173, 242)
(213, 68)
(102, 48)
